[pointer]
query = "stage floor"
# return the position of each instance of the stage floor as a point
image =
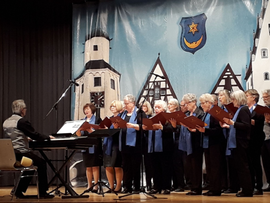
(173, 197)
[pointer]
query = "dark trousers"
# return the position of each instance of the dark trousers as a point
(254, 155)
(213, 160)
(149, 171)
(179, 162)
(42, 173)
(162, 163)
(131, 168)
(195, 161)
(266, 159)
(232, 174)
(240, 158)
(224, 167)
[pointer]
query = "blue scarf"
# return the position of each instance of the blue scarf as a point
(185, 140)
(131, 132)
(205, 137)
(252, 108)
(158, 141)
(225, 130)
(150, 143)
(231, 144)
(91, 150)
(107, 144)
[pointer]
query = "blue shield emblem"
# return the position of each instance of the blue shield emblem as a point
(193, 36)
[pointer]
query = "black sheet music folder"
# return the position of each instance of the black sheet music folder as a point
(104, 133)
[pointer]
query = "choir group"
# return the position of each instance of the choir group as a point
(220, 157)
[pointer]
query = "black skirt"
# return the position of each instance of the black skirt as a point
(113, 160)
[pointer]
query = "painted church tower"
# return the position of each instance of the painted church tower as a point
(99, 82)
(258, 71)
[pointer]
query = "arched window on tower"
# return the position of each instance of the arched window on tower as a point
(264, 53)
(266, 76)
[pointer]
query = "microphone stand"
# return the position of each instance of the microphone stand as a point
(55, 107)
(140, 111)
(56, 103)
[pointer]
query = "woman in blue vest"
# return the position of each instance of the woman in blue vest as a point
(160, 144)
(212, 141)
(130, 145)
(190, 141)
(230, 183)
(238, 141)
(112, 159)
(147, 157)
(92, 157)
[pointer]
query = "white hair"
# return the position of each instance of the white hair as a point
(130, 98)
(162, 103)
(17, 106)
(207, 98)
(189, 97)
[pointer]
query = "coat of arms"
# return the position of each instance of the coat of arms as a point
(193, 36)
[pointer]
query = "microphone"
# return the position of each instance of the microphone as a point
(73, 82)
(162, 77)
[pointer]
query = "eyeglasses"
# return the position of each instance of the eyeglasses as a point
(265, 97)
(182, 105)
(202, 103)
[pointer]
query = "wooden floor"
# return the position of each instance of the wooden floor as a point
(173, 197)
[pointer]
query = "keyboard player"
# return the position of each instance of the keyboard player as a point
(19, 129)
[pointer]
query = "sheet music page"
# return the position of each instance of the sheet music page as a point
(70, 127)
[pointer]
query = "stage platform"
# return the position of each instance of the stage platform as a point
(172, 198)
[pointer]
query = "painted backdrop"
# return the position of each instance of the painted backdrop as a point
(196, 39)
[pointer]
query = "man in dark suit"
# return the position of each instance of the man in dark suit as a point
(257, 137)
(266, 143)
(238, 140)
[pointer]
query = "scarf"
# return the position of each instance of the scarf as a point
(107, 144)
(185, 142)
(91, 150)
(205, 137)
(231, 144)
(225, 130)
(158, 141)
(131, 132)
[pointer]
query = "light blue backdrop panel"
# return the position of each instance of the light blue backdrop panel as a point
(141, 29)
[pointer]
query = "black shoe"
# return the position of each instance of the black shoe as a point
(167, 192)
(211, 193)
(241, 194)
(94, 191)
(153, 191)
(194, 193)
(258, 192)
(205, 186)
(267, 189)
(179, 190)
(46, 196)
(136, 191)
(127, 191)
(19, 195)
(230, 191)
